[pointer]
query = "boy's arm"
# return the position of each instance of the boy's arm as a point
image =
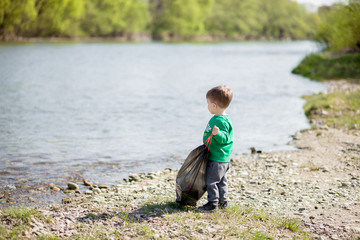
(220, 136)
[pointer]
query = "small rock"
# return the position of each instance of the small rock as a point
(331, 192)
(335, 237)
(87, 182)
(66, 200)
(56, 189)
(52, 185)
(88, 192)
(134, 178)
(96, 191)
(345, 184)
(103, 186)
(72, 186)
(324, 169)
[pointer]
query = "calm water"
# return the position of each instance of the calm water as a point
(102, 111)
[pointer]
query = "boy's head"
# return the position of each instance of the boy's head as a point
(221, 95)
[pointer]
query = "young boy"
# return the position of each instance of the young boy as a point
(220, 126)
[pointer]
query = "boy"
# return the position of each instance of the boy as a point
(220, 126)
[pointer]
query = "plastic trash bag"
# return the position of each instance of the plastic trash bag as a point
(191, 178)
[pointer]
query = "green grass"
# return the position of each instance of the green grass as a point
(165, 220)
(48, 237)
(21, 214)
(338, 109)
(319, 67)
(162, 218)
(19, 219)
(291, 224)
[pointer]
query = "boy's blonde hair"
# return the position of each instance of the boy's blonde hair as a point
(221, 95)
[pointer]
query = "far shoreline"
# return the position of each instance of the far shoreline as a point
(207, 39)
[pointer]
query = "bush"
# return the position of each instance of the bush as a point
(340, 26)
(320, 67)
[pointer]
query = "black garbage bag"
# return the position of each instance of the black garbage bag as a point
(191, 178)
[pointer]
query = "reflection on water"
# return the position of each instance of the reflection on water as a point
(106, 110)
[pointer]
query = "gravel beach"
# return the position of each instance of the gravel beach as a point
(319, 184)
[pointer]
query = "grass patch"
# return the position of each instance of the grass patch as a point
(338, 109)
(20, 214)
(161, 218)
(48, 237)
(17, 220)
(291, 224)
(320, 67)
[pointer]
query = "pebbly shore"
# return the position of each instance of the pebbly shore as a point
(318, 184)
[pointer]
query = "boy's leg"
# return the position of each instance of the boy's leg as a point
(215, 172)
(222, 185)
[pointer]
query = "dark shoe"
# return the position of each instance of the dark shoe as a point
(223, 205)
(209, 207)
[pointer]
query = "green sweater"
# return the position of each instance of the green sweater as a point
(222, 143)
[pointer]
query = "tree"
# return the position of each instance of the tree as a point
(234, 18)
(340, 26)
(182, 19)
(115, 17)
(58, 18)
(16, 17)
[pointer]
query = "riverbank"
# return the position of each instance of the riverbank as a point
(330, 66)
(145, 38)
(308, 193)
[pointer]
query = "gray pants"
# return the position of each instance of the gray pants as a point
(216, 181)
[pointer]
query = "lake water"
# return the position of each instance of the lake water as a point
(102, 111)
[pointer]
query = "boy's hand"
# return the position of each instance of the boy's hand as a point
(215, 130)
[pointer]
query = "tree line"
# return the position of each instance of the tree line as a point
(160, 19)
(339, 27)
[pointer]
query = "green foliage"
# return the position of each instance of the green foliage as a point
(320, 67)
(179, 19)
(286, 20)
(58, 17)
(233, 18)
(114, 17)
(164, 19)
(338, 109)
(340, 26)
(16, 17)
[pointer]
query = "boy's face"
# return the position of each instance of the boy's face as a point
(211, 106)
